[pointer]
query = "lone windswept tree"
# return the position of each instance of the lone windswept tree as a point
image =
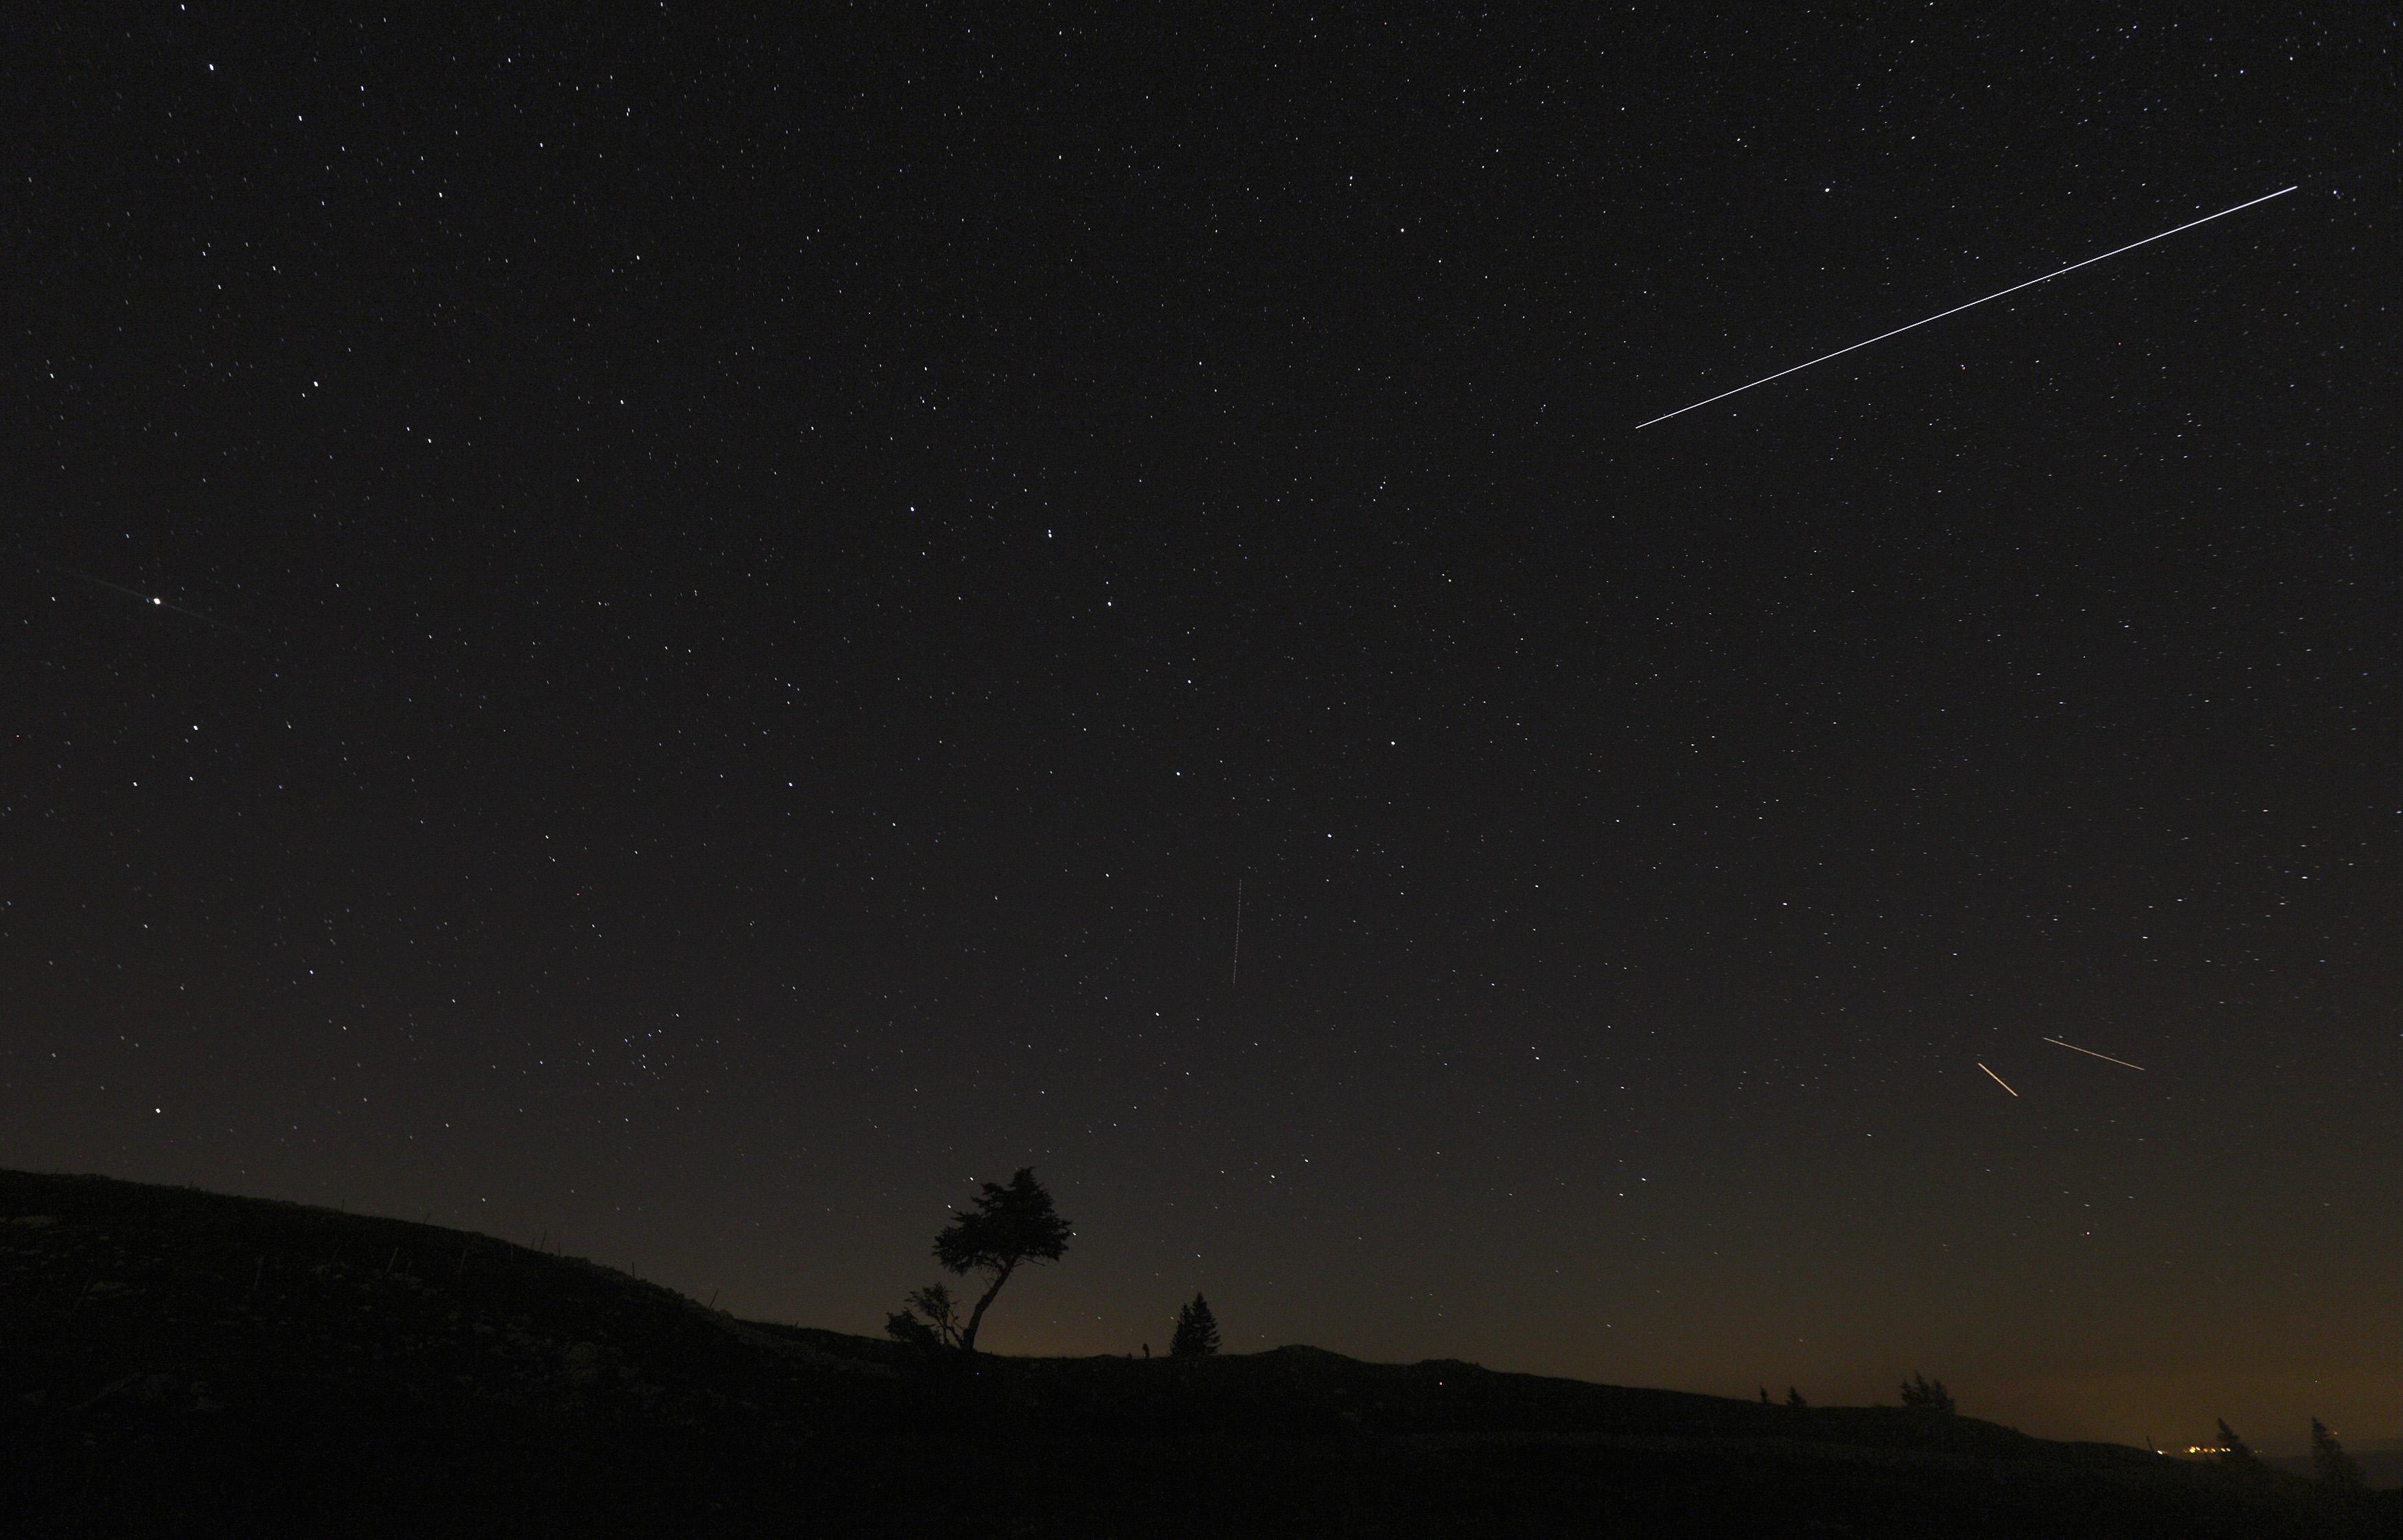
(1197, 1331)
(1009, 1227)
(2233, 1450)
(1924, 1395)
(2329, 1461)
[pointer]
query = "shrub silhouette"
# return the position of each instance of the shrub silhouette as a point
(1009, 1227)
(1197, 1331)
(930, 1318)
(1924, 1395)
(2234, 1450)
(1794, 1401)
(2329, 1461)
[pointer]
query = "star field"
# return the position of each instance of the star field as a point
(737, 602)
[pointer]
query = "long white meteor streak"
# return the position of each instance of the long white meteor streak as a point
(2091, 1054)
(1998, 1079)
(1971, 305)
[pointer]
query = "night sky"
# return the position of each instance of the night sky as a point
(677, 636)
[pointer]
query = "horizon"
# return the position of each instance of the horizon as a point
(1009, 1334)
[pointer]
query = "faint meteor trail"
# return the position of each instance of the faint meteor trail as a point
(136, 593)
(150, 599)
(1235, 971)
(1971, 305)
(2091, 1054)
(1998, 1079)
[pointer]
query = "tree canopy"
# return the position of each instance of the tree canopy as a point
(1011, 1226)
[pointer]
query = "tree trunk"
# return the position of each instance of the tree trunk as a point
(967, 1338)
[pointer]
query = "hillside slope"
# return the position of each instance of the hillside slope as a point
(176, 1362)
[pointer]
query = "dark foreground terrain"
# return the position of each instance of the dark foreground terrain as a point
(178, 1363)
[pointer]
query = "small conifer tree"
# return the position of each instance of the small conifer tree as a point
(2329, 1461)
(1197, 1331)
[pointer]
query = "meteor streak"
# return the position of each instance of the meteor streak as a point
(150, 599)
(2091, 1054)
(1235, 969)
(1998, 1079)
(1971, 305)
(129, 594)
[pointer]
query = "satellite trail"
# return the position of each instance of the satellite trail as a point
(2091, 1054)
(1998, 1079)
(1971, 305)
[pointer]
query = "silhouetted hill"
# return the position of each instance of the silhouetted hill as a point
(176, 1362)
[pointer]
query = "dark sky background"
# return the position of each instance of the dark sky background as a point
(738, 599)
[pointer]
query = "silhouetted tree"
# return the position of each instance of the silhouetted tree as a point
(1197, 1331)
(2328, 1459)
(1924, 1395)
(1794, 1401)
(2234, 1450)
(1764, 1395)
(1009, 1227)
(929, 1318)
